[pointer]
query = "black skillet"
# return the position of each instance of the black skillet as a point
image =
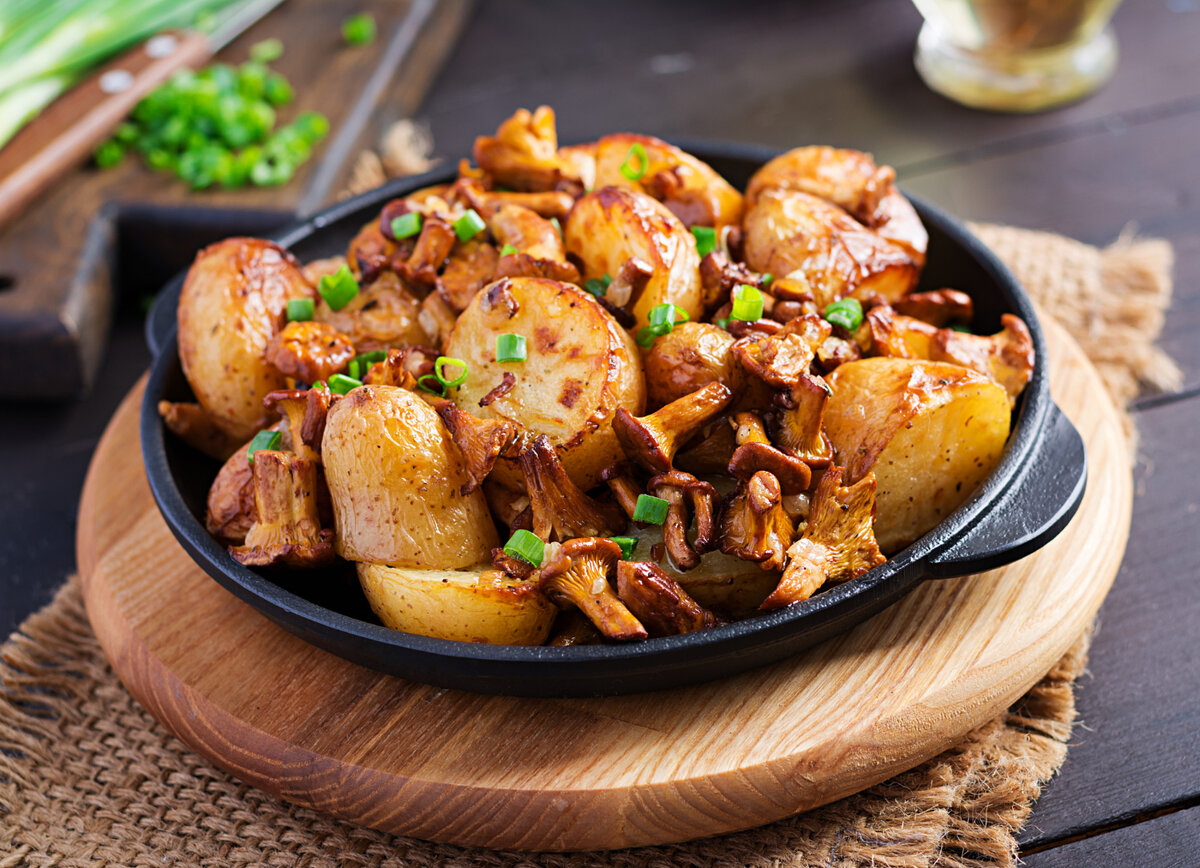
(1027, 500)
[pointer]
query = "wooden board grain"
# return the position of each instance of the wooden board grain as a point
(593, 773)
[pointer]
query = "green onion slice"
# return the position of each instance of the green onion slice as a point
(668, 315)
(300, 309)
(263, 440)
(469, 225)
(424, 384)
(647, 335)
(441, 376)
(267, 50)
(554, 222)
(627, 543)
(706, 239)
(406, 225)
(845, 312)
(366, 360)
(597, 286)
(526, 546)
(507, 250)
(766, 279)
(340, 384)
(747, 303)
(631, 171)
(722, 322)
(338, 289)
(359, 29)
(510, 348)
(650, 509)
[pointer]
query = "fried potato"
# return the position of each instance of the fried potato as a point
(233, 303)
(476, 605)
(396, 479)
(611, 226)
(689, 357)
(804, 238)
(689, 187)
(931, 432)
(384, 314)
(579, 368)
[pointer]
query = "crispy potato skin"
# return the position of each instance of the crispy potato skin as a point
(233, 303)
(611, 225)
(689, 357)
(693, 187)
(396, 480)
(477, 605)
(580, 367)
(794, 234)
(930, 431)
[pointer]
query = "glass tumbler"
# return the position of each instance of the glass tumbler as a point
(1016, 55)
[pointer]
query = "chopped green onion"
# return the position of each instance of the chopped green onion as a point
(510, 348)
(597, 286)
(406, 225)
(109, 154)
(636, 152)
(627, 543)
(338, 289)
(554, 222)
(368, 359)
(650, 509)
(845, 312)
(766, 279)
(354, 369)
(469, 225)
(126, 133)
(961, 328)
(320, 384)
(267, 50)
(340, 384)
(668, 315)
(722, 322)
(263, 440)
(300, 309)
(507, 250)
(706, 239)
(359, 29)
(422, 385)
(647, 335)
(526, 546)
(747, 303)
(277, 90)
(441, 376)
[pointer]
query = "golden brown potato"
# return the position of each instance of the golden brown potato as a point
(396, 479)
(610, 226)
(803, 238)
(580, 367)
(230, 510)
(931, 432)
(851, 180)
(476, 605)
(689, 187)
(233, 303)
(687, 358)
(384, 314)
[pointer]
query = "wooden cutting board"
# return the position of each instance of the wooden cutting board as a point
(590, 773)
(56, 287)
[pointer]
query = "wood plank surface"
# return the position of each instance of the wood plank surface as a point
(590, 773)
(1170, 841)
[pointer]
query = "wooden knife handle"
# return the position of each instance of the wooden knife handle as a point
(70, 128)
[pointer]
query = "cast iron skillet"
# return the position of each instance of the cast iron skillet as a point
(1030, 497)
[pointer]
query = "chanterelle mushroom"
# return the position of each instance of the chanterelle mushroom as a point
(1005, 357)
(754, 453)
(310, 351)
(653, 440)
(659, 602)
(482, 441)
(755, 526)
(577, 575)
(838, 543)
(681, 490)
(560, 510)
(287, 528)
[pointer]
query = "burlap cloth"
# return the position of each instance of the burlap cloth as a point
(88, 777)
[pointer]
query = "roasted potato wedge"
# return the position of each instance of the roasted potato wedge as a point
(689, 187)
(611, 226)
(580, 367)
(931, 431)
(396, 479)
(476, 605)
(689, 357)
(233, 302)
(804, 238)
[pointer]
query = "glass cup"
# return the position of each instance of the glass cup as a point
(1016, 55)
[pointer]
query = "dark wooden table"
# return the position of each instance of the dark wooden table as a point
(837, 71)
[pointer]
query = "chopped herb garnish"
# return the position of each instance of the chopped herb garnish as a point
(338, 289)
(650, 509)
(845, 312)
(526, 546)
(263, 440)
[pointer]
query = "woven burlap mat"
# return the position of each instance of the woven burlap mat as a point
(88, 777)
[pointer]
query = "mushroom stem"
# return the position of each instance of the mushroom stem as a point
(560, 510)
(653, 440)
(623, 486)
(481, 441)
(577, 575)
(287, 529)
(659, 602)
(433, 246)
(681, 490)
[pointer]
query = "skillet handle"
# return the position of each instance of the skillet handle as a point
(1034, 508)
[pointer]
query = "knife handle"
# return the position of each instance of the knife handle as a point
(66, 132)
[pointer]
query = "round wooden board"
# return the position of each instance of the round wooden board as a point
(577, 774)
